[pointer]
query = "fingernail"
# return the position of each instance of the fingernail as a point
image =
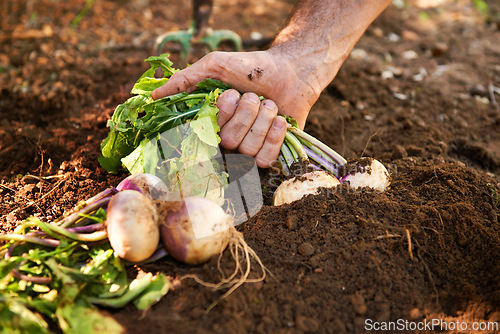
(253, 97)
(279, 123)
(233, 97)
(269, 104)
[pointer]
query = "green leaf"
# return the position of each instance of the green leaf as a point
(209, 109)
(7, 265)
(290, 120)
(81, 319)
(162, 62)
(204, 129)
(136, 288)
(147, 84)
(15, 317)
(153, 293)
(134, 162)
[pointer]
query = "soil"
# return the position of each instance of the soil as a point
(417, 93)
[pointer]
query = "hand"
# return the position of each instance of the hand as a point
(247, 124)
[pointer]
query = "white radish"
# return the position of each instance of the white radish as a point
(132, 225)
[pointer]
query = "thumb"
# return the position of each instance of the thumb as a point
(181, 81)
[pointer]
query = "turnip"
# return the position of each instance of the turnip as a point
(309, 165)
(366, 172)
(297, 187)
(195, 229)
(329, 168)
(132, 225)
(148, 184)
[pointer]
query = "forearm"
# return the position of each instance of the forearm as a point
(320, 35)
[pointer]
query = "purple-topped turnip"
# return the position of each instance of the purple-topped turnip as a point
(195, 229)
(148, 184)
(132, 225)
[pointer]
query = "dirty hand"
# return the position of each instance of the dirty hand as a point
(247, 124)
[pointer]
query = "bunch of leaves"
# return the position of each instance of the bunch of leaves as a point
(61, 286)
(175, 137)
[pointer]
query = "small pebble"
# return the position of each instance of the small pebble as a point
(306, 249)
(291, 222)
(358, 303)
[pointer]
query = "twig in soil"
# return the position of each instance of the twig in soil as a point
(408, 236)
(368, 141)
(44, 178)
(432, 178)
(13, 190)
(432, 229)
(387, 236)
(440, 218)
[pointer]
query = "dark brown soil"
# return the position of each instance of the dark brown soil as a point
(417, 94)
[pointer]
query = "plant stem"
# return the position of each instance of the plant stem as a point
(158, 254)
(74, 217)
(284, 166)
(331, 153)
(30, 239)
(87, 228)
(135, 289)
(297, 146)
(295, 155)
(322, 161)
(95, 236)
(287, 155)
(105, 193)
(32, 279)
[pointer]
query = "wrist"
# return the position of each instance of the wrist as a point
(315, 69)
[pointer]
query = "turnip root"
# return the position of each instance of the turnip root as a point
(366, 172)
(148, 184)
(195, 229)
(297, 187)
(132, 225)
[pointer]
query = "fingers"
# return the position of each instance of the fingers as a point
(187, 79)
(182, 81)
(255, 137)
(251, 126)
(236, 128)
(274, 139)
(227, 104)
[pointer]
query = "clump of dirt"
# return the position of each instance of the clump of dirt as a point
(419, 93)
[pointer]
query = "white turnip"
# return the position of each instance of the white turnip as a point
(306, 184)
(366, 172)
(132, 225)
